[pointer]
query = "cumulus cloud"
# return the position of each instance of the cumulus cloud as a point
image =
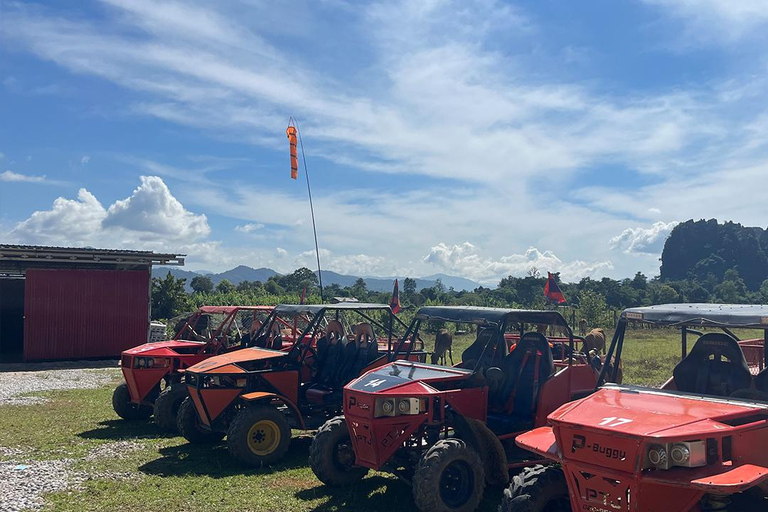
(466, 260)
(85, 160)
(153, 211)
(18, 177)
(151, 218)
(249, 228)
(68, 222)
(643, 240)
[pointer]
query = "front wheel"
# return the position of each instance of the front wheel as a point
(331, 456)
(259, 435)
(167, 406)
(537, 489)
(189, 425)
(121, 403)
(449, 478)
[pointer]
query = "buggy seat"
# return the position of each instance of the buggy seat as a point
(331, 358)
(715, 366)
(525, 369)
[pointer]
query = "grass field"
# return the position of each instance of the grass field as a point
(132, 465)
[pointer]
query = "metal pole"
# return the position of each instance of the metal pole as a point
(685, 341)
(312, 211)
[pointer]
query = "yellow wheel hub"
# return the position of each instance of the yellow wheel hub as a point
(263, 437)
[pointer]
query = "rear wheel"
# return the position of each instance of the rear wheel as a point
(259, 435)
(190, 426)
(167, 405)
(449, 478)
(121, 403)
(331, 456)
(537, 489)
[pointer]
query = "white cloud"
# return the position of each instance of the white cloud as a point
(85, 160)
(643, 240)
(249, 228)
(727, 20)
(465, 260)
(280, 252)
(18, 177)
(151, 218)
(153, 211)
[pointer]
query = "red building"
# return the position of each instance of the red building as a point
(67, 303)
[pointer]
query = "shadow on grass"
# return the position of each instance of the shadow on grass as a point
(214, 461)
(382, 494)
(118, 430)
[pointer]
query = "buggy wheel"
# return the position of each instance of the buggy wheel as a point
(189, 425)
(259, 435)
(537, 489)
(167, 405)
(449, 478)
(121, 403)
(331, 456)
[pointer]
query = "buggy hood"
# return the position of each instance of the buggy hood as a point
(642, 412)
(165, 348)
(232, 359)
(407, 376)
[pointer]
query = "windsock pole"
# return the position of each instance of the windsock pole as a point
(293, 122)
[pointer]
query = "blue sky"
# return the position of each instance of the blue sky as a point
(477, 138)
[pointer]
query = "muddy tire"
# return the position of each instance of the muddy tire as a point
(449, 478)
(167, 406)
(331, 456)
(537, 489)
(189, 425)
(259, 435)
(121, 403)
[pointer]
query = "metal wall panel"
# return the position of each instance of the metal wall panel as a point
(72, 314)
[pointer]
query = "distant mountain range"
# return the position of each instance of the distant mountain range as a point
(379, 284)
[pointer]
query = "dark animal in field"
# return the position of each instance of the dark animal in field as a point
(594, 340)
(582, 327)
(443, 343)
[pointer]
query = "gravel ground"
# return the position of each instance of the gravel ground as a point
(22, 481)
(22, 485)
(49, 377)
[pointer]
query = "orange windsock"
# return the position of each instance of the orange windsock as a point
(291, 132)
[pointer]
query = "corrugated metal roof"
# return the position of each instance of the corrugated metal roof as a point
(84, 255)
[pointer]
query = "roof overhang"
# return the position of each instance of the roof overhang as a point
(75, 255)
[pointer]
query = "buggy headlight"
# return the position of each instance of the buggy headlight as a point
(397, 406)
(690, 454)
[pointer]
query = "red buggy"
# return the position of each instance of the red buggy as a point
(255, 396)
(152, 371)
(449, 430)
(698, 444)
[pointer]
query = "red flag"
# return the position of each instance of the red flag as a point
(303, 295)
(552, 290)
(291, 132)
(395, 302)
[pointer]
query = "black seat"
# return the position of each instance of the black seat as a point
(715, 366)
(525, 370)
(476, 350)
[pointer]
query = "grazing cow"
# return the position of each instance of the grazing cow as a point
(582, 327)
(594, 340)
(443, 343)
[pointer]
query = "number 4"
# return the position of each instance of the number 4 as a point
(375, 383)
(614, 422)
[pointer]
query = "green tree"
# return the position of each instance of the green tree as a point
(359, 289)
(201, 284)
(763, 293)
(225, 286)
(168, 297)
(298, 280)
(409, 286)
(592, 307)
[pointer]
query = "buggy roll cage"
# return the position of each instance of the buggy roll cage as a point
(317, 312)
(685, 316)
(497, 319)
(229, 312)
